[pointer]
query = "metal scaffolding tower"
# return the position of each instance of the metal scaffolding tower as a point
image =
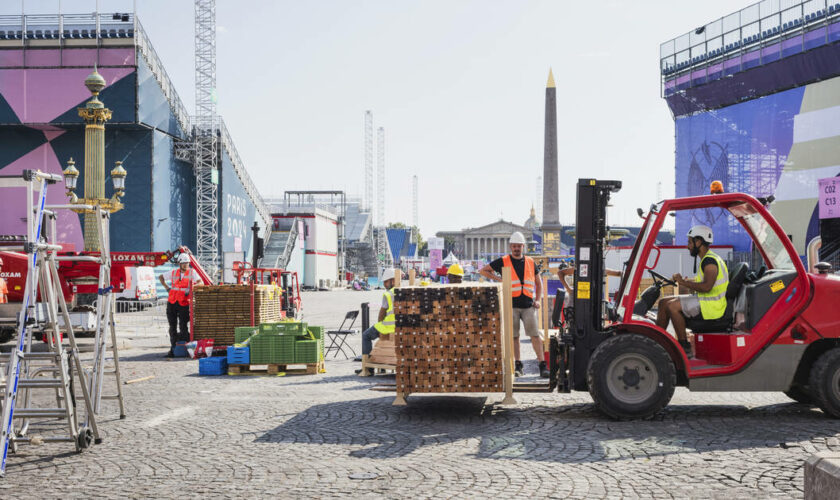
(206, 138)
(381, 244)
(368, 201)
(414, 215)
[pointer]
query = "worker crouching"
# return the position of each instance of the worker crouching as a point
(180, 287)
(386, 322)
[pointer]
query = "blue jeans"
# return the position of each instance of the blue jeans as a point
(368, 336)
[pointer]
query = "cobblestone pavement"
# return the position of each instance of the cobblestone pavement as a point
(329, 435)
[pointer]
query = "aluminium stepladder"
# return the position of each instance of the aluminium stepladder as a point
(27, 371)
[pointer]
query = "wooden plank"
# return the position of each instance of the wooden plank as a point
(506, 307)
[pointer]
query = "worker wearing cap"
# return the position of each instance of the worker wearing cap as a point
(4, 290)
(526, 290)
(180, 287)
(455, 274)
(710, 284)
(386, 322)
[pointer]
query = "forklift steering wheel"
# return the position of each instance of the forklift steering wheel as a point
(659, 279)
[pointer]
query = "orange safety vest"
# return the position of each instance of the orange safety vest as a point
(528, 285)
(4, 291)
(181, 286)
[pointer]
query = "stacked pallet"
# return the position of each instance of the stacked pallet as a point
(219, 309)
(449, 339)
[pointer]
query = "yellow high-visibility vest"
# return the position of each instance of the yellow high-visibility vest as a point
(388, 323)
(713, 302)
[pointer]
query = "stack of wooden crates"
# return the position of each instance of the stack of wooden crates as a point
(449, 339)
(219, 309)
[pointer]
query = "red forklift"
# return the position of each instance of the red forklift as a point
(783, 337)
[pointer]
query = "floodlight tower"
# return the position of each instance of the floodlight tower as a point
(414, 209)
(381, 245)
(368, 203)
(206, 138)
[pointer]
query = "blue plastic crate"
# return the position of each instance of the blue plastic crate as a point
(180, 350)
(216, 365)
(238, 355)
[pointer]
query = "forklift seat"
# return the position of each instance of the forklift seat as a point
(737, 276)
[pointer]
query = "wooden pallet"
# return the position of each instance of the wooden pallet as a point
(277, 369)
(383, 356)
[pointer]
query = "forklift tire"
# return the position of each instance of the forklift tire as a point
(825, 382)
(800, 395)
(631, 376)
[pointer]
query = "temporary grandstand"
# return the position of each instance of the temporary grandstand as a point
(756, 102)
(401, 244)
(44, 60)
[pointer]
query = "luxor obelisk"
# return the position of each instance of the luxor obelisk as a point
(551, 228)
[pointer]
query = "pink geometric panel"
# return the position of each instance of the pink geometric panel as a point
(40, 95)
(13, 200)
(79, 57)
(10, 58)
(42, 58)
(116, 57)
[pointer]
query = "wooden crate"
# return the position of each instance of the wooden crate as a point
(218, 309)
(449, 339)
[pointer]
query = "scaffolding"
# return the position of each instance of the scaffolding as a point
(381, 242)
(206, 138)
(368, 201)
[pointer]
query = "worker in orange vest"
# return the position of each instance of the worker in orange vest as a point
(180, 287)
(4, 290)
(526, 290)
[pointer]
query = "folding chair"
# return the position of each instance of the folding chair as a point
(338, 338)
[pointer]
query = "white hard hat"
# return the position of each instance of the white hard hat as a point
(388, 275)
(183, 259)
(517, 238)
(701, 231)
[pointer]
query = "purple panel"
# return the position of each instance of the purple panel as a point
(814, 38)
(24, 90)
(116, 57)
(834, 32)
(820, 63)
(79, 57)
(750, 56)
(13, 204)
(10, 58)
(42, 58)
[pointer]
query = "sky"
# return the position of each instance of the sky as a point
(458, 85)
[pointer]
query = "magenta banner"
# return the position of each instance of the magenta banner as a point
(435, 259)
(829, 189)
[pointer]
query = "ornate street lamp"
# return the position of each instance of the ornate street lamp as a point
(95, 114)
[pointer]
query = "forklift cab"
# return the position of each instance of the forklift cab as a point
(756, 291)
(784, 334)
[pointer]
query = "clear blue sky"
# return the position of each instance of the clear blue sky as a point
(457, 84)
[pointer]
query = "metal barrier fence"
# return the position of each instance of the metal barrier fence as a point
(138, 316)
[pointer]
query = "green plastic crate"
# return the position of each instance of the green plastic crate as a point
(272, 349)
(283, 328)
(316, 331)
(306, 351)
(241, 333)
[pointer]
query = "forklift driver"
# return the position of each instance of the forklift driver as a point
(710, 285)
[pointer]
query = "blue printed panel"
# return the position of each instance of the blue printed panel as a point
(173, 204)
(745, 146)
(237, 211)
(153, 108)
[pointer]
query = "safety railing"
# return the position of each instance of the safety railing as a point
(762, 32)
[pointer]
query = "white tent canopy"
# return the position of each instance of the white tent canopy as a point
(450, 259)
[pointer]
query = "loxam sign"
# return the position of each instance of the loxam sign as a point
(131, 258)
(10, 275)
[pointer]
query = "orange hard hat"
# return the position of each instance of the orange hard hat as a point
(716, 187)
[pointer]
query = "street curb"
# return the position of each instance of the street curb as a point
(822, 476)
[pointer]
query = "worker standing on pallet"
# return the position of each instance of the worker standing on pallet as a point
(526, 290)
(4, 290)
(180, 287)
(386, 323)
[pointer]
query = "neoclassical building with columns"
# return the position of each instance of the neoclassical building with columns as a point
(485, 242)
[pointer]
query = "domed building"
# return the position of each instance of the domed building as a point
(532, 224)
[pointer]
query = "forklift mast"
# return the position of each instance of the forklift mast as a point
(587, 326)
